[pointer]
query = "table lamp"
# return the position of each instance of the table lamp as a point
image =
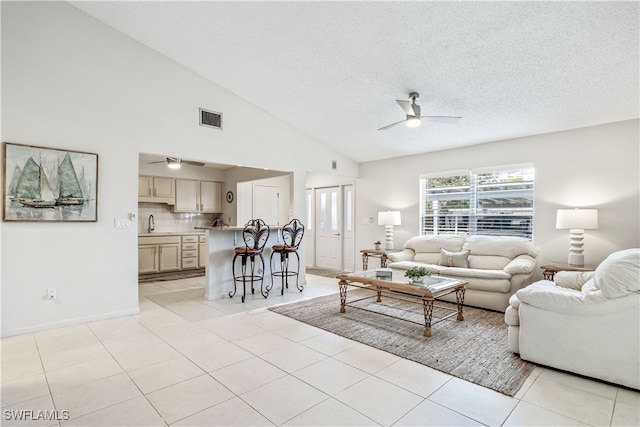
(577, 220)
(388, 219)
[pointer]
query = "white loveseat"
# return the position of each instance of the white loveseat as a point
(587, 323)
(495, 267)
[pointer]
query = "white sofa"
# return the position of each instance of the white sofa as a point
(495, 267)
(587, 323)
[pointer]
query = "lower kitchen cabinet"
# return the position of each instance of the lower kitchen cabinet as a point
(189, 252)
(148, 259)
(158, 254)
(169, 257)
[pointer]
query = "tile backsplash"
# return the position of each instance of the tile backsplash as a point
(168, 221)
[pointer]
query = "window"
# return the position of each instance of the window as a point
(496, 201)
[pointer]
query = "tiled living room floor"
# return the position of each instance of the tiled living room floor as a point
(185, 361)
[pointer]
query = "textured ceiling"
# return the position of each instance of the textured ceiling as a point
(334, 69)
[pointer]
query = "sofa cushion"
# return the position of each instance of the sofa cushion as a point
(433, 244)
(405, 265)
(572, 279)
(427, 257)
(487, 286)
(546, 295)
(495, 252)
(473, 272)
(403, 255)
(522, 264)
(453, 259)
(619, 274)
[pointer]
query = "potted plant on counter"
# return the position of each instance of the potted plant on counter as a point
(417, 274)
(377, 245)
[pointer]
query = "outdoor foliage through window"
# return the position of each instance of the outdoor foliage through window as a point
(495, 202)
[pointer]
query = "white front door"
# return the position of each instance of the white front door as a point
(328, 228)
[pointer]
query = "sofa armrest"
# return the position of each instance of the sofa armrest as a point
(403, 255)
(572, 279)
(547, 296)
(522, 264)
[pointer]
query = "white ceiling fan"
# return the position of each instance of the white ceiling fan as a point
(413, 114)
(175, 163)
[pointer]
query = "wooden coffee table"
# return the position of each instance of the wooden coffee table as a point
(433, 287)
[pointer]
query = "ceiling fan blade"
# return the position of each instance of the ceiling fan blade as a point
(442, 119)
(159, 161)
(189, 162)
(406, 106)
(392, 125)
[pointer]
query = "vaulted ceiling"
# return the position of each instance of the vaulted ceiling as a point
(334, 69)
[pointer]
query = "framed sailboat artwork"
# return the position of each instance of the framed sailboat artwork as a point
(49, 184)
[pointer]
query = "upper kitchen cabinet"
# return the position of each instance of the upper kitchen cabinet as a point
(156, 189)
(198, 196)
(211, 196)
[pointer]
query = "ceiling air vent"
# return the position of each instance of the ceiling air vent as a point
(210, 119)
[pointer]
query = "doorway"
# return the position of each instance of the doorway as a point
(334, 231)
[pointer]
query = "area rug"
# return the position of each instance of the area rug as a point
(474, 349)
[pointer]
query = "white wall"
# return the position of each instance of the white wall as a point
(71, 82)
(596, 167)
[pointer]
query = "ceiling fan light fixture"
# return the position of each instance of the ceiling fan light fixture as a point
(413, 122)
(173, 163)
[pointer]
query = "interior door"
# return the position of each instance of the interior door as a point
(328, 228)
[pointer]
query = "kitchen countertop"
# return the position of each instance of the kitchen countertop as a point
(171, 233)
(231, 227)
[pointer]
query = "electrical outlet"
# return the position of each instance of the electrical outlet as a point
(51, 293)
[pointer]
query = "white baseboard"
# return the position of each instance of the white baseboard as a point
(67, 322)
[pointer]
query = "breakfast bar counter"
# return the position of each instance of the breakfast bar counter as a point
(221, 242)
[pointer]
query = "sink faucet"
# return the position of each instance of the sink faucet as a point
(152, 224)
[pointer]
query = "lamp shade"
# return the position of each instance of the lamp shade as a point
(389, 218)
(584, 219)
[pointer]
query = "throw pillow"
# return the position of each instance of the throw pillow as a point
(618, 275)
(454, 259)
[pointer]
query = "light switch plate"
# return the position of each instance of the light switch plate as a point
(121, 223)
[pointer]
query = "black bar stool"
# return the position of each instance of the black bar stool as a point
(291, 237)
(255, 235)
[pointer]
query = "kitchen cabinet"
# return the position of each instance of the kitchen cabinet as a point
(147, 259)
(198, 196)
(158, 254)
(156, 189)
(189, 252)
(211, 196)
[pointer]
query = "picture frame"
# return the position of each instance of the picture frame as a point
(43, 184)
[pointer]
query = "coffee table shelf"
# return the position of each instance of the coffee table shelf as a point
(391, 287)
